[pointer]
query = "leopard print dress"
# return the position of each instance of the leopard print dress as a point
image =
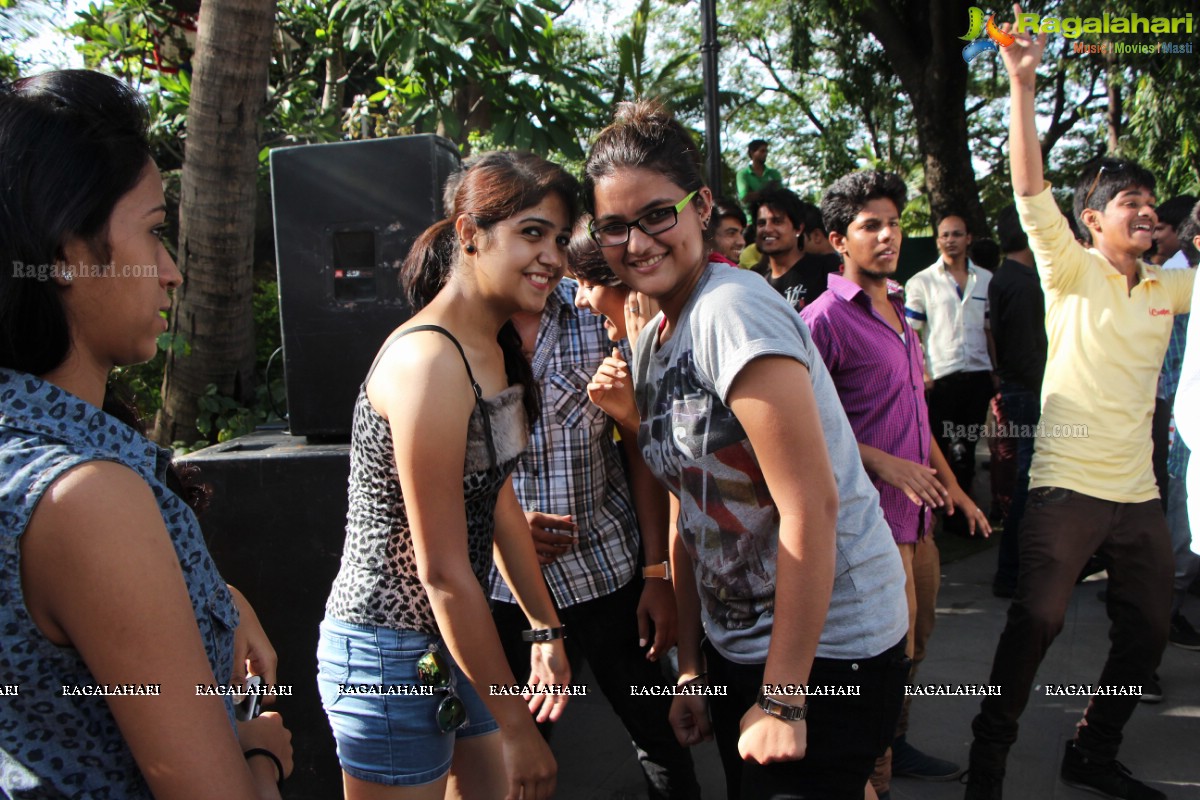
(378, 583)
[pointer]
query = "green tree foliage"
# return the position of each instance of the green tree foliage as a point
(482, 65)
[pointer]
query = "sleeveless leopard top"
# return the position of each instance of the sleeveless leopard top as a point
(378, 583)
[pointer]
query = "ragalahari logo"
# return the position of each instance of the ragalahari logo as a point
(983, 37)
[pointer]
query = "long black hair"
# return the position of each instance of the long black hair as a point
(73, 143)
(490, 188)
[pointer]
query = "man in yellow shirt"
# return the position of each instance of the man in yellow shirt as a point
(1108, 319)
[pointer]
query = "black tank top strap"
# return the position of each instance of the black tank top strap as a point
(470, 376)
(485, 412)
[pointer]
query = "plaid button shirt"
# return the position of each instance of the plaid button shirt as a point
(572, 465)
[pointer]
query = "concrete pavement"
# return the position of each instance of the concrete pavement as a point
(1162, 742)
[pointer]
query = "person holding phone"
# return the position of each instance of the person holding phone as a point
(111, 609)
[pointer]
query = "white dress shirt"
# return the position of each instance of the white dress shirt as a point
(955, 338)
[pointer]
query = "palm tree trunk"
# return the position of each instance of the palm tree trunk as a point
(213, 311)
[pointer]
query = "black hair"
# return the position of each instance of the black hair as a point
(953, 215)
(785, 201)
(1175, 211)
(644, 135)
(1101, 180)
(1188, 230)
(812, 219)
(727, 208)
(490, 188)
(584, 259)
(74, 142)
(850, 193)
(1073, 224)
(985, 253)
(1009, 231)
(755, 144)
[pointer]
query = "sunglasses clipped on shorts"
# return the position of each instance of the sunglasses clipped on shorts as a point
(433, 670)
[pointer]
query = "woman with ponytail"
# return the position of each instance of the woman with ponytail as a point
(439, 423)
(780, 547)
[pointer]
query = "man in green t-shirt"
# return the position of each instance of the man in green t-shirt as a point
(756, 176)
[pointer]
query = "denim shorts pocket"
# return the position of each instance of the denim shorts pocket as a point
(333, 667)
(1045, 496)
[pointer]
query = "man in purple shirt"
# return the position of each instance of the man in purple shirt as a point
(877, 366)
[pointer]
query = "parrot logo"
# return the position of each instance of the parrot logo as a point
(991, 33)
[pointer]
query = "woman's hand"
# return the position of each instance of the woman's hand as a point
(548, 667)
(768, 739)
(611, 390)
(528, 762)
(252, 650)
(639, 310)
(266, 732)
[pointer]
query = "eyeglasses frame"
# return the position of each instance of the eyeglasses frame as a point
(629, 226)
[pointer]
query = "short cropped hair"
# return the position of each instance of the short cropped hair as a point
(1008, 228)
(785, 201)
(985, 253)
(755, 144)
(1103, 179)
(727, 208)
(1175, 211)
(850, 193)
(812, 219)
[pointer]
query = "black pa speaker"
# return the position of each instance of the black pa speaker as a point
(275, 528)
(345, 217)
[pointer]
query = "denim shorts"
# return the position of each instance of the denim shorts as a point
(391, 739)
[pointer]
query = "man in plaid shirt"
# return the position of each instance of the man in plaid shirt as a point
(584, 520)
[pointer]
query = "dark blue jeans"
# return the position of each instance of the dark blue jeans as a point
(1022, 409)
(604, 631)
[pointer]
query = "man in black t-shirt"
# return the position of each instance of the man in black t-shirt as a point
(1018, 321)
(779, 225)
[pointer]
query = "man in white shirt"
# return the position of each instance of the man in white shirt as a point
(947, 303)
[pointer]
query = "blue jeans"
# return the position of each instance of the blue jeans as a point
(1187, 563)
(1022, 409)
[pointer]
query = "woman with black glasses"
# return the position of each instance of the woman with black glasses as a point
(782, 551)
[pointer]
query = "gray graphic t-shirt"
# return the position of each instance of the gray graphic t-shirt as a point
(691, 440)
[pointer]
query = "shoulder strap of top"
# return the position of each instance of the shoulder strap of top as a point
(470, 376)
(485, 412)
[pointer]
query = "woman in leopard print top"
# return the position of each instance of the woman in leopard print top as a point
(438, 425)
